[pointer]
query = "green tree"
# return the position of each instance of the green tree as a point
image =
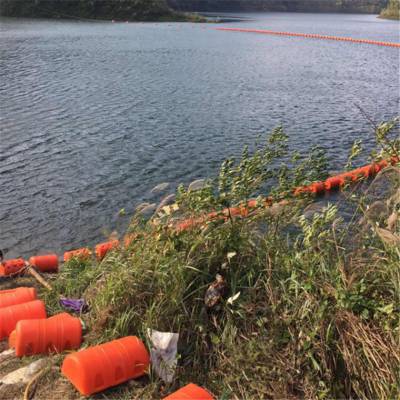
(392, 11)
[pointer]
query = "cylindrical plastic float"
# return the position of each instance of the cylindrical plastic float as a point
(333, 183)
(17, 296)
(103, 248)
(100, 367)
(317, 188)
(363, 172)
(9, 316)
(41, 336)
(190, 392)
(46, 263)
(80, 254)
(10, 267)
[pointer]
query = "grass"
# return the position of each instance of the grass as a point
(392, 11)
(308, 303)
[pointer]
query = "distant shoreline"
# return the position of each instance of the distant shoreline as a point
(179, 10)
(97, 10)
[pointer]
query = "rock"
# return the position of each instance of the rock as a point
(394, 200)
(197, 185)
(160, 187)
(24, 374)
(313, 208)
(166, 201)
(141, 206)
(384, 186)
(7, 354)
(377, 212)
(148, 210)
(113, 235)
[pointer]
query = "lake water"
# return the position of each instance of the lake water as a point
(94, 115)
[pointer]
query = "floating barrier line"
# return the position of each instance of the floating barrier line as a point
(49, 262)
(312, 36)
(316, 188)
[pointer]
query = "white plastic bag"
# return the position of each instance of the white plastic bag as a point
(163, 353)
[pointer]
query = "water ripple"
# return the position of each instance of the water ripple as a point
(92, 116)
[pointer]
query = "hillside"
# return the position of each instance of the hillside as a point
(346, 6)
(132, 10)
(392, 11)
(156, 10)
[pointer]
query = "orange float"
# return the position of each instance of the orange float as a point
(41, 336)
(11, 267)
(334, 183)
(364, 172)
(17, 296)
(100, 367)
(9, 316)
(81, 254)
(317, 188)
(190, 392)
(46, 263)
(103, 248)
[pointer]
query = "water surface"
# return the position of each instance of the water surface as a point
(93, 115)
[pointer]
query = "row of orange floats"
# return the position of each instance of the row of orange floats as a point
(23, 320)
(50, 263)
(338, 181)
(316, 188)
(312, 35)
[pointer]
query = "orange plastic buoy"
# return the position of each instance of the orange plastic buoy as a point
(301, 190)
(350, 176)
(9, 316)
(41, 336)
(103, 248)
(363, 171)
(11, 267)
(375, 168)
(17, 296)
(46, 263)
(252, 203)
(335, 182)
(317, 188)
(190, 392)
(383, 164)
(80, 254)
(100, 367)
